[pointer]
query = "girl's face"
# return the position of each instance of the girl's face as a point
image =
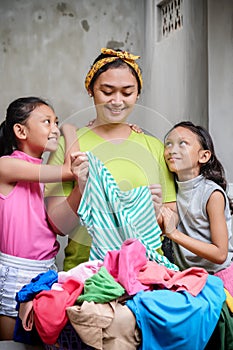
(42, 132)
(183, 153)
(115, 93)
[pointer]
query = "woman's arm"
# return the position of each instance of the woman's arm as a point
(217, 250)
(62, 211)
(62, 204)
(66, 207)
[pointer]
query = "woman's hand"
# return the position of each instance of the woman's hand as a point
(80, 168)
(156, 194)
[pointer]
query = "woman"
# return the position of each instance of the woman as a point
(134, 159)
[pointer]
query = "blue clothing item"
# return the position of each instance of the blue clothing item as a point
(26, 337)
(112, 216)
(43, 281)
(177, 320)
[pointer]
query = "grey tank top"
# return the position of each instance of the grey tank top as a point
(192, 198)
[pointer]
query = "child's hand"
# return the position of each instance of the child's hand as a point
(136, 128)
(170, 220)
(80, 168)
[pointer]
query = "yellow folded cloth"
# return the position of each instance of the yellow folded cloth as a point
(229, 300)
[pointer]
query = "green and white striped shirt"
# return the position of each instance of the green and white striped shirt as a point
(112, 216)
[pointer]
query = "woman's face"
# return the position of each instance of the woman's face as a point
(115, 93)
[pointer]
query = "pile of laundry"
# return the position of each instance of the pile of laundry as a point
(123, 302)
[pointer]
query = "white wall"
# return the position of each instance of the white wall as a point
(176, 71)
(220, 47)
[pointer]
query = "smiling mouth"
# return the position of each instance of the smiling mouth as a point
(52, 138)
(172, 159)
(115, 111)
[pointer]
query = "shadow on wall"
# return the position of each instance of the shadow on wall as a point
(63, 240)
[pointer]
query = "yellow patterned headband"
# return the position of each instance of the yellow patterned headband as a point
(124, 55)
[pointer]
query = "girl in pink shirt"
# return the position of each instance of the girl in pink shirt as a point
(28, 245)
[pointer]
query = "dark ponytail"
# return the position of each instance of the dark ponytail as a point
(18, 111)
(5, 144)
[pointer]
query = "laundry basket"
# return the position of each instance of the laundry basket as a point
(68, 340)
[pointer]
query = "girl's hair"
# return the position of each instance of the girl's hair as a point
(115, 64)
(18, 111)
(213, 169)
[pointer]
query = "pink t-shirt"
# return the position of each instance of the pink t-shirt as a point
(24, 230)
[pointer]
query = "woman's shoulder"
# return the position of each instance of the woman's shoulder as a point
(154, 139)
(83, 131)
(151, 142)
(149, 138)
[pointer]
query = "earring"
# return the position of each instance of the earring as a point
(90, 94)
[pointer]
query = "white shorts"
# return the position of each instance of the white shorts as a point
(14, 274)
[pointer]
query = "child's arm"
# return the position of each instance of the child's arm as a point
(14, 170)
(71, 140)
(217, 250)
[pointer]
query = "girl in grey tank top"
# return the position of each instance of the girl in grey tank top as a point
(202, 236)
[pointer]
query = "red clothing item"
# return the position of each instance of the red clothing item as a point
(50, 309)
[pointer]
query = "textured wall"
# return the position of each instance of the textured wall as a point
(46, 47)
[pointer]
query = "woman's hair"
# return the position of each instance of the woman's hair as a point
(213, 169)
(115, 64)
(18, 111)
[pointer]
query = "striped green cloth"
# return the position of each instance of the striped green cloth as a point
(112, 216)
